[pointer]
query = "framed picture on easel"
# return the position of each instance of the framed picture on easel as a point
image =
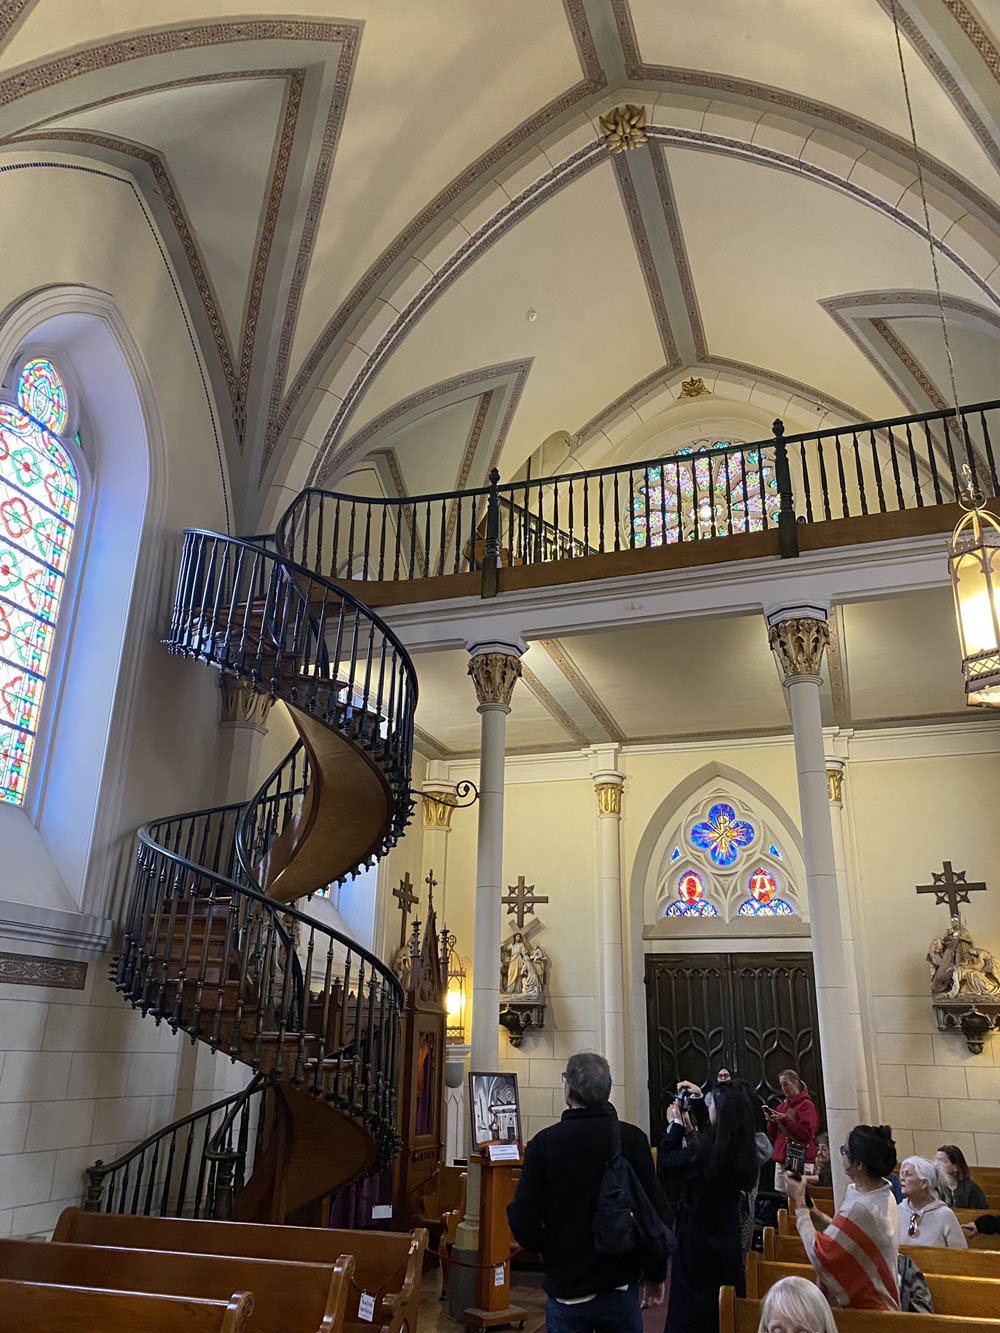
(495, 1112)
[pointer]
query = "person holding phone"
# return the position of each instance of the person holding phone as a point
(791, 1127)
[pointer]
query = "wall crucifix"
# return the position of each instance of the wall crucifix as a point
(950, 888)
(407, 899)
(520, 898)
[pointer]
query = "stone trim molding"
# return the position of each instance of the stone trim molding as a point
(28, 969)
(55, 926)
(553, 706)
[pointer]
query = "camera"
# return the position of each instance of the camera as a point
(683, 1101)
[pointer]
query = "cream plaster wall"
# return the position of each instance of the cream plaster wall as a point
(909, 815)
(81, 1074)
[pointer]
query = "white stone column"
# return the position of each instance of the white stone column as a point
(494, 668)
(242, 728)
(608, 790)
(798, 636)
(835, 773)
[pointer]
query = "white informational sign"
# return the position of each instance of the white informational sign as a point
(366, 1308)
(498, 1276)
(504, 1152)
(381, 1211)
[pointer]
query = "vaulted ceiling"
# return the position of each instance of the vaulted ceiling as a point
(408, 254)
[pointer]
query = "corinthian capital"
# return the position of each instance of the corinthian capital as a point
(494, 676)
(609, 796)
(798, 645)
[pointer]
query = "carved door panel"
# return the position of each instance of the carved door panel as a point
(754, 1013)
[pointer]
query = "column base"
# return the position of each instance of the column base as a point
(462, 1276)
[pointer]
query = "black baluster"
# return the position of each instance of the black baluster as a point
(381, 544)
(913, 467)
(600, 511)
(932, 462)
(489, 583)
(895, 470)
(427, 538)
(803, 463)
(878, 472)
(618, 543)
(857, 467)
(824, 485)
(367, 539)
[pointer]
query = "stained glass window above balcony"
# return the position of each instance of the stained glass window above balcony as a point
(706, 489)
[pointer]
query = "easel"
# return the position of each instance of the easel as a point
(493, 1258)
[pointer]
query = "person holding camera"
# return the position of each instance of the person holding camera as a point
(717, 1162)
(791, 1127)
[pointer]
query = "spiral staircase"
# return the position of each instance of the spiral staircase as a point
(213, 944)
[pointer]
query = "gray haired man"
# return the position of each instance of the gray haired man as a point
(553, 1210)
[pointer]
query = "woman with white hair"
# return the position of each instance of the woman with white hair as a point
(795, 1305)
(924, 1217)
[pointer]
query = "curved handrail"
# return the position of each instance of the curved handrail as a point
(147, 1180)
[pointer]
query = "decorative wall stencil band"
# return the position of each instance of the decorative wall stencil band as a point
(26, 969)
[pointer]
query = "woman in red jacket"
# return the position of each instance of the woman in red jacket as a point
(792, 1127)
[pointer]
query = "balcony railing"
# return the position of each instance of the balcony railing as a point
(877, 467)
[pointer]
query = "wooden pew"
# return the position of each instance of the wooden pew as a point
(34, 1307)
(388, 1263)
(972, 1297)
(287, 1297)
(786, 1227)
(928, 1258)
(743, 1316)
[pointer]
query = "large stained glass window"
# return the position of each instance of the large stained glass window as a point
(39, 497)
(705, 490)
(690, 900)
(763, 900)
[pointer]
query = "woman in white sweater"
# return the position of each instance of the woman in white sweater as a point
(924, 1217)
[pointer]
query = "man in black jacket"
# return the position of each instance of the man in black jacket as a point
(553, 1210)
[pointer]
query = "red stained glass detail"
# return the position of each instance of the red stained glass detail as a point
(762, 885)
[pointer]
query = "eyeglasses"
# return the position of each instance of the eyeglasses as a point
(843, 1150)
(911, 1230)
(563, 1077)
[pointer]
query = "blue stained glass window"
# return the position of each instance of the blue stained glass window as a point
(690, 900)
(773, 851)
(722, 835)
(39, 496)
(675, 855)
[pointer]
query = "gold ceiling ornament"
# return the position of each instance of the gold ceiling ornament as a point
(241, 702)
(798, 644)
(438, 806)
(494, 676)
(624, 127)
(609, 797)
(835, 785)
(974, 564)
(693, 388)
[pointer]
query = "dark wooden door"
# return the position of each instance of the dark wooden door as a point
(755, 1013)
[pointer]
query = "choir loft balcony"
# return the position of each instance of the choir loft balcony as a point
(780, 497)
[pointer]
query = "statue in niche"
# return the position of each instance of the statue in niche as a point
(959, 969)
(523, 972)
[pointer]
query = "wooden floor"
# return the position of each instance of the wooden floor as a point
(526, 1292)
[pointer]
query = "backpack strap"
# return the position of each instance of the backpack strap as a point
(616, 1134)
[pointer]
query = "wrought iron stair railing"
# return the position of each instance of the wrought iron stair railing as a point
(213, 943)
(191, 1168)
(875, 467)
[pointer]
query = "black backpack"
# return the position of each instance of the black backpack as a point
(624, 1219)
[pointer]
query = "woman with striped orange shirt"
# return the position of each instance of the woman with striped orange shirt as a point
(855, 1253)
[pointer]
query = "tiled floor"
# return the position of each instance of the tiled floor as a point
(526, 1292)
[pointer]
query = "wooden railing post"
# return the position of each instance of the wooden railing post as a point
(788, 533)
(95, 1187)
(489, 585)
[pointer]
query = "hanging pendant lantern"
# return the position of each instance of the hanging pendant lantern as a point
(974, 562)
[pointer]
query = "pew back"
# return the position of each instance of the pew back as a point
(387, 1263)
(972, 1297)
(34, 1307)
(743, 1316)
(928, 1258)
(288, 1297)
(786, 1227)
